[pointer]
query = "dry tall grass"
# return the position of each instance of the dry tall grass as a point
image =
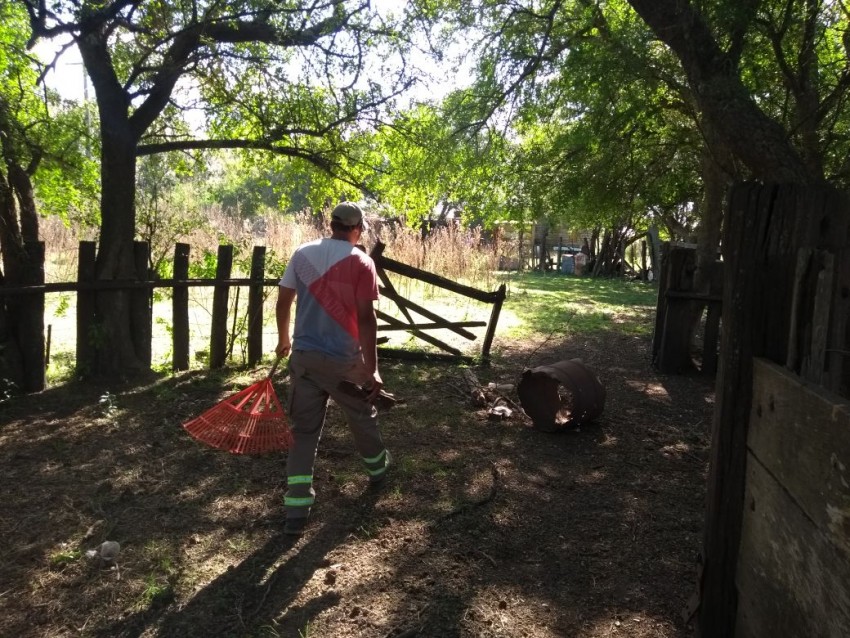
(455, 253)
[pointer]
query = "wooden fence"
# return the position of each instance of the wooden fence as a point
(679, 309)
(776, 552)
(141, 291)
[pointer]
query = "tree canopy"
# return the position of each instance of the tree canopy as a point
(617, 114)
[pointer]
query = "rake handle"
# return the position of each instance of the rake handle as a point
(274, 367)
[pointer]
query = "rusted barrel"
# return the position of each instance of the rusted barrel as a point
(561, 395)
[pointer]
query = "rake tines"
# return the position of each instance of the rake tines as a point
(251, 421)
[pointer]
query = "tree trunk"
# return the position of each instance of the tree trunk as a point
(654, 250)
(723, 100)
(715, 182)
(114, 340)
(21, 316)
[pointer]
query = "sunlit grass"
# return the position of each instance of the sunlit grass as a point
(537, 304)
(545, 304)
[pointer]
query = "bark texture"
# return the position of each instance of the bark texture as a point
(723, 100)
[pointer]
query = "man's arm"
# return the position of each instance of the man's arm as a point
(367, 324)
(283, 314)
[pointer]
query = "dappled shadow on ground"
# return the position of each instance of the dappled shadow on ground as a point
(483, 529)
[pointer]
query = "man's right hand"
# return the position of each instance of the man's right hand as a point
(284, 347)
(374, 388)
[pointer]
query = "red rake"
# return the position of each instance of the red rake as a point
(251, 421)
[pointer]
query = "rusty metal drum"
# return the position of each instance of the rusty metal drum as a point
(561, 395)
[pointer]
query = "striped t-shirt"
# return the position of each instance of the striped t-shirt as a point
(329, 276)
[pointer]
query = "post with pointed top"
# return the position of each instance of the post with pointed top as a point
(255, 306)
(491, 326)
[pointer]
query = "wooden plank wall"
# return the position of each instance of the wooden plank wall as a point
(764, 229)
(793, 574)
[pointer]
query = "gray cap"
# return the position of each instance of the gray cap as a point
(347, 214)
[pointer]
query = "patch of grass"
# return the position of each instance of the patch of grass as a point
(545, 304)
(159, 584)
(343, 476)
(62, 367)
(413, 466)
(108, 403)
(367, 530)
(65, 557)
(239, 544)
(156, 590)
(160, 554)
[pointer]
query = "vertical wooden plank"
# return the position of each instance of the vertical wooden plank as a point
(712, 321)
(141, 304)
(816, 361)
(661, 303)
(762, 231)
(746, 251)
(799, 295)
(491, 325)
(32, 329)
(520, 254)
(837, 375)
(255, 305)
(86, 300)
(560, 253)
(674, 354)
(221, 296)
(180, 310)
(712, 335)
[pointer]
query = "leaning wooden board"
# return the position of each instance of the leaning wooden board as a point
(793, 573)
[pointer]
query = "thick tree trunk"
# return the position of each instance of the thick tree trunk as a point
(723, 100)
(114, 340)
(715, 182)
(21, 316)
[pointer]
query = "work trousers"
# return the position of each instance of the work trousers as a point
(315, 376)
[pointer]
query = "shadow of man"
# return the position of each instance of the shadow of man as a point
(251, 594)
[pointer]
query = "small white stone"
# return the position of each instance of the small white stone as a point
(109, 550)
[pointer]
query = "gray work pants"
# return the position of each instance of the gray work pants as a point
(315, 376)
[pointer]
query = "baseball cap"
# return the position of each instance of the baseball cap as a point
(347, 214)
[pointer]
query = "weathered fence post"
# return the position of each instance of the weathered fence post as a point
(180, 310)
(491, 325)
(255, 305)
(681, 311)
(221, 296)
(141, 304)
(837, 376)
(86, 299)
(664, 285)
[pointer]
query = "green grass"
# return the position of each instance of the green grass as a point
(65, 557)
(537, 305)
(545, 304)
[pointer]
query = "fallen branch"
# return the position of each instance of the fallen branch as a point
(475, 392)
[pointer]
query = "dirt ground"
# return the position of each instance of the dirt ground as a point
(484, 528)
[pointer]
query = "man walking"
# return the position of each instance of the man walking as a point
(334, 343)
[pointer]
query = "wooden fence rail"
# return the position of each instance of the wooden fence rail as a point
(87, 288)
